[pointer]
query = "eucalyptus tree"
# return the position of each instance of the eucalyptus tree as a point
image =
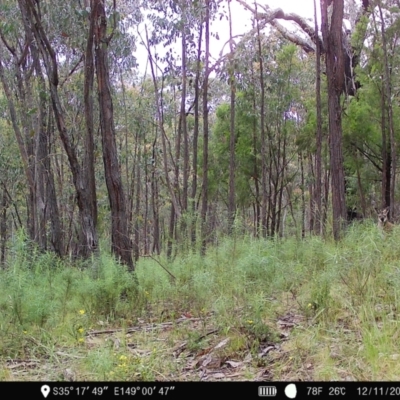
(371, 121)
(317, 201)
(264, 198)
(121, 244)
(183, 73)
(166, 147)
(332, 33)
(37, 25)
(136, 109)
(54, 51)
(341, 60)
(284, 81)
(12, 183)
(24, 86)
(196, 128)
(204, 187)
(387, 50)
(232, 140)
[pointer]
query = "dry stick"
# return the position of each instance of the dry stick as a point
(207, 334)
(162, 266)
(144, 328)
(74, 68)
(182, 347)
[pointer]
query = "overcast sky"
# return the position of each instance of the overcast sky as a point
(241, 19)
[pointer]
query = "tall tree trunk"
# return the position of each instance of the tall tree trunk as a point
(156, 213)
(22, 149)
(204, 201)
(264, 196)
(136, 229)
(160, 120)
(183, 122)
(196, 136)
(57, 238)
(386, 145)
(88, 242)
(173, 232)
(41, 154)
(232, 140)
(325, 200)
(282, 164)
(88, 162)
(3, 227)
(318, 156)
(257, 216)
(311, 193)
(386, 158)
(333, 42)
(121, 243)
(360, 187)
(388, 90)
(303, 201)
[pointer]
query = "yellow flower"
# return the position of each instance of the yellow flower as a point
(81, 340)
(250, 321)
(81, 312)
(309, 305)
(25, 332)
(80, 330)
(123, 358)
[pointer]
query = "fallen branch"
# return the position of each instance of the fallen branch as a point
(145, 328)
(162, 266)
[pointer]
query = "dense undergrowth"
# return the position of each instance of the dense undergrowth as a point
(344, 299)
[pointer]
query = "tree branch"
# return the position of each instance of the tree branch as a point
(302, 42)
(272, 15)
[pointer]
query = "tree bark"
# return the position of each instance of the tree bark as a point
(264, 195)
(121, 243)
(57, 237)
(88, 242)
(332, 33)
(318, 156)
(3, 228)
(196, 136)
(41, 155)
(232, 140)
(22, 149)
(204, 201)
(89, 138)
(183, 122)
(388, 90)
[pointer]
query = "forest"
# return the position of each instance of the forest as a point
(209, 215)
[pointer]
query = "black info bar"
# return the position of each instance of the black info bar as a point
(186, 390)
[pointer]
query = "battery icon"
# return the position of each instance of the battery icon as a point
(266, 391)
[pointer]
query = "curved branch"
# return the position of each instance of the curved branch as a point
(350, 54)
(298, 40)
(272, 15)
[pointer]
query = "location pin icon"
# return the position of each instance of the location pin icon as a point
(45, 389)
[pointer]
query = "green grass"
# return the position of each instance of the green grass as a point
(302, 309)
